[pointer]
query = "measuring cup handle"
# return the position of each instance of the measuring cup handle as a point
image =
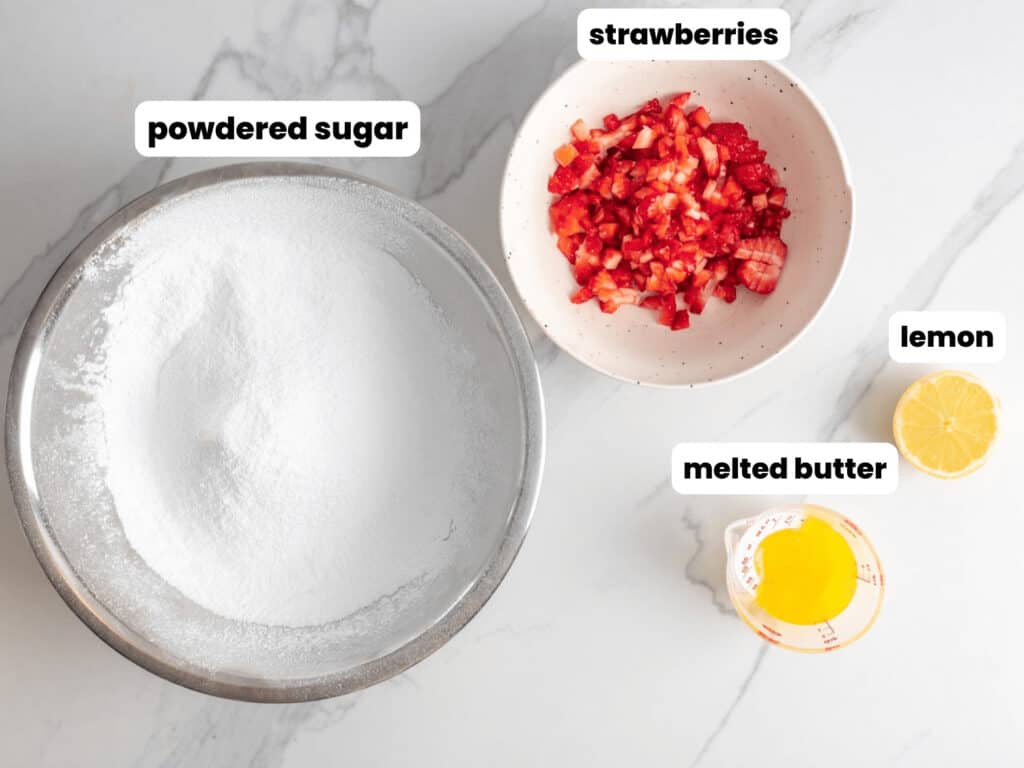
(734, 532)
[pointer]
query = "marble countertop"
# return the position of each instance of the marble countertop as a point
(611, 642)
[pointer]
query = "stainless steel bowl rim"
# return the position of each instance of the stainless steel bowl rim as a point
(150, 656)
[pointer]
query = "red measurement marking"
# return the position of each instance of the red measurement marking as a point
(771, 640)
(773, 631)
(851, 527)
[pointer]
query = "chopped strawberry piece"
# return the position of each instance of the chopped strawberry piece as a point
(675, 119)
(753, 177)
(770, 250)
(680, 99)
(645, 138)
(709, 152)
(650, 107)
(667, 310)
(601, 141)
(569, 214)
(563, 180)
(611, 121)
(610, 294)
(582, 296)
(758, 276)
(568, 245)
(579, 131)
(607, 230)
(726, 292)
(777, 197)
(727, 133)
(681, 320)
(701, 117)
(612, 259)
(759, 202)
(565, 154)
(588, 176)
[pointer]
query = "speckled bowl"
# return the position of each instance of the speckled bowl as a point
(727, 339)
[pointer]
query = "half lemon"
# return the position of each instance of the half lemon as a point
(945, 424)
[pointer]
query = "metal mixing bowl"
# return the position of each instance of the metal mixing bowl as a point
(85, 553)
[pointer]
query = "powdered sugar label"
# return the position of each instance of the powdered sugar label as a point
(277, 128)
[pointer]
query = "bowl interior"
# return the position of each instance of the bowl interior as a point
(454, 531)
(727, 339)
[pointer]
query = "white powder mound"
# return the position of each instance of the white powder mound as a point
(283, 423)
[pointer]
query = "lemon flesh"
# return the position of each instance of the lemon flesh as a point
(945, 424)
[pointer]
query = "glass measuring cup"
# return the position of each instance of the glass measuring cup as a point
(741, 541)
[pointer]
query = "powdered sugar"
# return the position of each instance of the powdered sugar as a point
(287, 424)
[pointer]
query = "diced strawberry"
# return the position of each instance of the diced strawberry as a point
(681, 320)
(588, 176)
(657, 282)
(588, 259)
(612, 258)
(610, 294)
(698, 290)
(777, 197)
(569, 215)
(753, 177)
(680, 99)
(565, 154)
(611, 121)
(769, 250)
(582, 296)
(726, 292)
(644, 138)
(667, 309)
(732, 191)
(568, 245)
(727, 133)
(601, 141)
(562, 181)
(701, 117)
(607, 230)
(703, 283)
(759, 202)
(747, 152)
(675, 119)
(709, 152)
(650, 107)
(580, 131)
(759, 276)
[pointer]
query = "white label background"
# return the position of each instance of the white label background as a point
(761, 18)
(284, 111)
(771, 452)
(947, 321)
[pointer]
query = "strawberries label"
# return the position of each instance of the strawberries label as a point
(947, 337)
(780, 468)
(643, 34)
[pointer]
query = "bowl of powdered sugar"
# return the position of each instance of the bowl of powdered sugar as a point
(274, 433)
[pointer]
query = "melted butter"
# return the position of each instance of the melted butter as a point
(808, 574)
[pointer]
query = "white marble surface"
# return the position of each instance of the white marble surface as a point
(610, 642)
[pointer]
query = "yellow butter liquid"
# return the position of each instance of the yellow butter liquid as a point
(808, 574)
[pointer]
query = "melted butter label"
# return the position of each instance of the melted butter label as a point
(781, 468)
